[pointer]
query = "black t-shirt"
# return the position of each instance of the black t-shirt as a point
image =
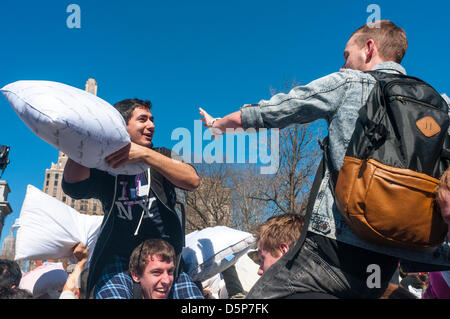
(138, 216)
(135, 207)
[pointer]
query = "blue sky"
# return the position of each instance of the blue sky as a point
(184, 54)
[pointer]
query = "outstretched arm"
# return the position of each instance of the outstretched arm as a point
(219, 126)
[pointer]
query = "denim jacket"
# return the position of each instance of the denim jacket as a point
(336, 98)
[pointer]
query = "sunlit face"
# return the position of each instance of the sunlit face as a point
(266, 259)
(355, 56)
(157, 278)
(140, 126)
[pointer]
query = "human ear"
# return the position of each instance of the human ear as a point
(135, 276)
(284, 248)
(370, 50)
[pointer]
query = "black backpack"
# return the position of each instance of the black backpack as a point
(397, 153)
(389, 132)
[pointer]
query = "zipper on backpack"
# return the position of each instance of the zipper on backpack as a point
(404, 99)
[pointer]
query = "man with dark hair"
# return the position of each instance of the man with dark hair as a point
(332, 260)
(136, 207)
(10, 273)
(152, 267)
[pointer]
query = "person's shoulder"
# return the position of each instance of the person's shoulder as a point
(341, 77)
(350, 74)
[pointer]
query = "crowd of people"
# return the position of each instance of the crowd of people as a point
(138, 251)
(152, 271)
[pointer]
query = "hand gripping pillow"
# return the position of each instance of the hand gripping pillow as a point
(212, 250)
(76, 122)
(49, 229)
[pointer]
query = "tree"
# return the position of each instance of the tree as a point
(248, 210)
(287, 190)
(210, 204)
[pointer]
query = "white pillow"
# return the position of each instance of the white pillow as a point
(247, 271)
(212, 250)
(76, 122)
(217, 286)
(49, 229)
(45, 281)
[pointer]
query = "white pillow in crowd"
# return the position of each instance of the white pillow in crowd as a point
(247, 272)
(217, 286)
(212, 250)
(76, 122)
(45, 281)
(49, 229)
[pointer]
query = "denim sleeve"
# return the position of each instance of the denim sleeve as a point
(303, 104)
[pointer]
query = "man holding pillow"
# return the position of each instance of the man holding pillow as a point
(136, 207)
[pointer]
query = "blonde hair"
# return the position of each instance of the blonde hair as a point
(390, 39)
(277, 230)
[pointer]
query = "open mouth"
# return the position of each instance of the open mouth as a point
(148, 136)
(161, 292)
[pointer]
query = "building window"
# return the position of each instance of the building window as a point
(55, 183)
(64, 199)
(46, 183)
(56, 176)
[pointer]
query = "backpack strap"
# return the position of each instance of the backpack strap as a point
(324, 145)
(294, 251)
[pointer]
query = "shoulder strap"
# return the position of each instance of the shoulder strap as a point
(293, 252)
(324, 145)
